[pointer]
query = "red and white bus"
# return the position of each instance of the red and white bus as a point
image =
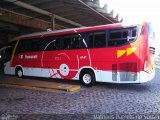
(114, 53)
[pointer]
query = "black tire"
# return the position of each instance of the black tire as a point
(87, 78)
(19, 72)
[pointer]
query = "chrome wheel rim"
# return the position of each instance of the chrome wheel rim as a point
(87, 78)
(19, 73)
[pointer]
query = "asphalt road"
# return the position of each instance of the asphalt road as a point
(104, 98)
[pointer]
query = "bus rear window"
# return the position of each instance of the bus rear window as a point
(122, 36)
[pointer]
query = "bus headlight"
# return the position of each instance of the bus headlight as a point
(0, 56)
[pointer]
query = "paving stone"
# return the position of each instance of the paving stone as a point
(104, 98)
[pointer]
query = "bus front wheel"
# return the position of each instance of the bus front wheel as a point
(87, 78)
(19, 72)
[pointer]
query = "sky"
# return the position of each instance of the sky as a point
(136, 11)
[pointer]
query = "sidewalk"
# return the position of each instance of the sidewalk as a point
(37, 84)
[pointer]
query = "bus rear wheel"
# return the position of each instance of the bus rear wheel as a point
(87, 78)
(19, 72)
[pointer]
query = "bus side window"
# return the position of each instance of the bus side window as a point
(27, 46)
(122, 36)
(52, 43)
(44, 43)
(91, 40)
(82, 43)
(20, 47)
(76, 42)
(67, 43)
(71, 42)
(134, 33)
(97, 39)
(115, 35)
(35, 44)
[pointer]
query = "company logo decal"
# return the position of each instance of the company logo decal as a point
(128, 51)
(28, 56)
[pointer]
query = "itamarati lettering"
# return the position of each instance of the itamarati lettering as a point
(31, 56)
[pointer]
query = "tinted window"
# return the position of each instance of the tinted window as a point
(67, 42)
(34, 45)
(97, 39)
(71, 42)
(122, 36)
(53, 44)
(20, 47)
(76, 42)
(91, 40)
(125, 34)
(50, 43)
(82, 43)
(115, 35)
(134, 33)
(28, 46)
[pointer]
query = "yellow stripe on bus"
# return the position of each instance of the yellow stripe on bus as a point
(14, 50)
(120, 53)
(129, 51)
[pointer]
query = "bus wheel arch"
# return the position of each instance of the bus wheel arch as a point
(19, 72)
(87, 77)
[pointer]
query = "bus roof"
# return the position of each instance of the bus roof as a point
(70, 31)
